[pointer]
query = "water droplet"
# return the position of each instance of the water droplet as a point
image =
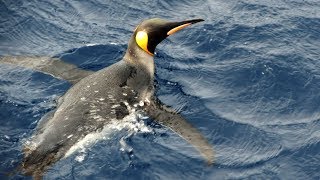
(80, 158)
(114, 106)
(147, 100)
(70, 136)
(6, 136)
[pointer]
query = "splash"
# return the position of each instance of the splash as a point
(131, 122)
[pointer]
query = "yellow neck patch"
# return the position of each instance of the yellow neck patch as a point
(142, 41)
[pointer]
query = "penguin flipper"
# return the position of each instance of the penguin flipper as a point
(51, 66)
(170, 118)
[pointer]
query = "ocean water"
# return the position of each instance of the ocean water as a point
(247, 77)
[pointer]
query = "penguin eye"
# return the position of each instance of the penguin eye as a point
(142, 41)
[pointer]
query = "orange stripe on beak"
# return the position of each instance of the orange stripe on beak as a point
(178, 28)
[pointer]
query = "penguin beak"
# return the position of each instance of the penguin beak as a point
(177, 26)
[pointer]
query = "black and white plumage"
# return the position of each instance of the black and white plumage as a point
(97, 98)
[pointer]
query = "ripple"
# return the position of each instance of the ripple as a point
(103, 56)
(247, 77)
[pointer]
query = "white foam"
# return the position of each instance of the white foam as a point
(130, 122)
(95, 44)
(92, 44)
(80, 157)
(124, 146)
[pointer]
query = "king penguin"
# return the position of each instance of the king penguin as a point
(93, 101)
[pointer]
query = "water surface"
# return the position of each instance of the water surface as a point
(247, 77)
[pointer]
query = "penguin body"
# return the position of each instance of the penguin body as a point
(106, 95)
(87, 107)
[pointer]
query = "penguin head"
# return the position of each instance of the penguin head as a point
(152, 31)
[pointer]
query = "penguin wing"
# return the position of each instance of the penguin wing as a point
(51, 66)
(170, 118)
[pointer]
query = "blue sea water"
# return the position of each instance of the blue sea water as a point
(247, 77)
